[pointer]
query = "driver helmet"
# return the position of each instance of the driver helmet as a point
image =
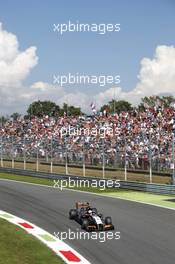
(90, 212)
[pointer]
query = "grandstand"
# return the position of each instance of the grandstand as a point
(133, 140)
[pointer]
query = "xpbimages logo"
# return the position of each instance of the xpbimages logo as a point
(86, 79)
(81, 235)
(85, 183)
(99, 28)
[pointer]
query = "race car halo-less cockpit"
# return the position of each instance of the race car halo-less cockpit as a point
(89, 218)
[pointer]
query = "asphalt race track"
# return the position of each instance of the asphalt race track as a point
(147, 232)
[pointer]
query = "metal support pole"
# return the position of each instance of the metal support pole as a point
(173, 156)
(84, 165)
(116, 155)
(66, 163)
(103, 167)
(66, 159)
(13, 162)
(24, 153)
(125, 162)
(2, 164)
(150, 160)
(37, 159)
(51, 161)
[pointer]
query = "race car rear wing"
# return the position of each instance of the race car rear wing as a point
(82, 205)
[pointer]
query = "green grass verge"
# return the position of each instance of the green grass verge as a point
(161, 200)
(155, 199)
(26, 179)
(19, 247)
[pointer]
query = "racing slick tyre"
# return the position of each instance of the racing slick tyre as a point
(85, 224)
(108, 220)
(72, 214)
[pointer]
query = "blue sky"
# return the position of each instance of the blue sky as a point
(144, 26)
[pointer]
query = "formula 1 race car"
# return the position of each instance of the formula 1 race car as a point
(89, 218)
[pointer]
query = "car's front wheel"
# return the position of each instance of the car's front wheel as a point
(108, 220)
(85, 224)
(72, 214)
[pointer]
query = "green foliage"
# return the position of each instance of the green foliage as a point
(116, 106)
(15, 116)
(70, 110)
(18, 247)
(3, 119)
(156, 101)
(40, 108)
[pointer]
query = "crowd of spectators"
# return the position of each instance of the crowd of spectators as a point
(133, 138)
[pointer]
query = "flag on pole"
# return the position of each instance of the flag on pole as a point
(93, 108)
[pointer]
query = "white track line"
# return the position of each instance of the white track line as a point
(91, 193)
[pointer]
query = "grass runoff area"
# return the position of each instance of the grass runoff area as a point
(156, 199)
(19, 247)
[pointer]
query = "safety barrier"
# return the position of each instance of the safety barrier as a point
(93, 167)
(137, 186)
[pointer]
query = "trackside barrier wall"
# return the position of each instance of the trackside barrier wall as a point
(107, 169)
(137, 186)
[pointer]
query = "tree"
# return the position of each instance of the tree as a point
(105, 107)
(3, 119)
(156, 101)
(75, 111)
(40, 108)
(70, 110)
(15, 116)
(117, 106)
